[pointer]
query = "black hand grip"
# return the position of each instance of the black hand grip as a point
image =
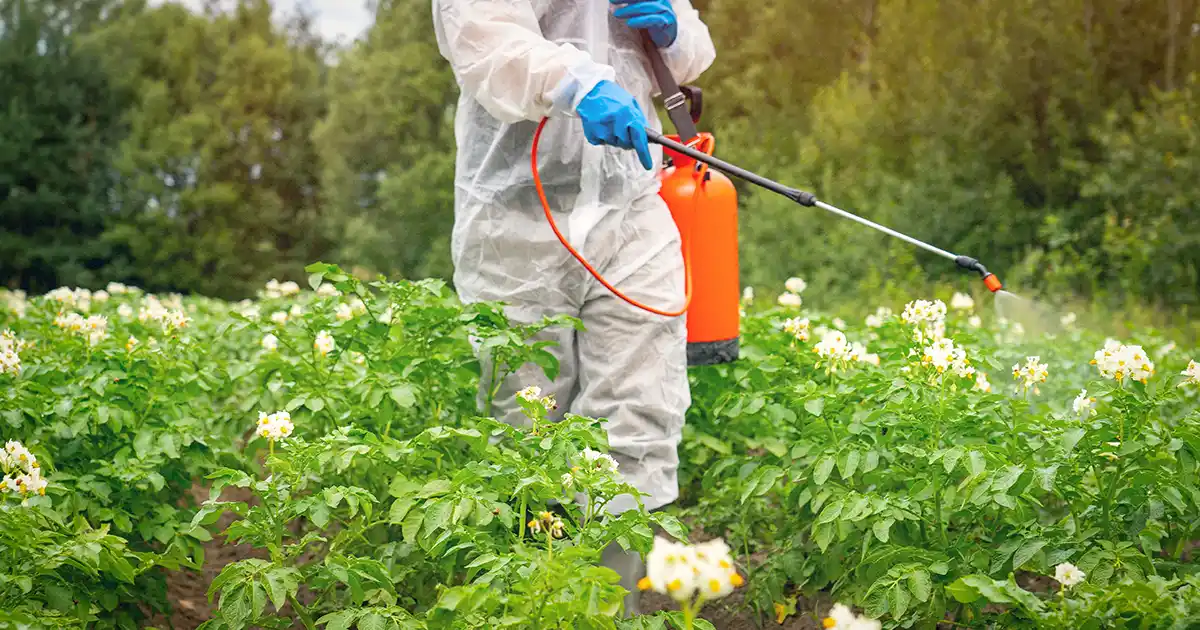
(695, 101)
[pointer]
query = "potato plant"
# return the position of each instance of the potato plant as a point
(933, 464)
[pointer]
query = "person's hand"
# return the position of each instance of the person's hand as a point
(655, 16)
(612, 116)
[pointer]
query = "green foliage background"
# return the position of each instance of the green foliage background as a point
(1056, 142)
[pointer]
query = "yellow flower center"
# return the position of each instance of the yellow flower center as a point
(644, 584)
(675, 585)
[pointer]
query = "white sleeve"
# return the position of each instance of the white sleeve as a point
(692, 52)
(500, 58)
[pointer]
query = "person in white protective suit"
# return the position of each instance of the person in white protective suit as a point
(581, 63)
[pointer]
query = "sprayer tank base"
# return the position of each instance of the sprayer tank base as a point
(713, 352)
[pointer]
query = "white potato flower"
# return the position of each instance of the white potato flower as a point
(1118, 361)
(279, 317)
(1067, 320)
(596, 460)
(962, 302)
(10, 363)
(275, 426)
(833, 345)
(289, 288)
(924, 312)
(1192, 373)
(790, 300)
(1084, 404)
(975, 321)
(1068, 574)
(981, 382)
(125, 311)
(530, 394)
(797, 328)
(131, 343)
(842, 618)
(327, 290)
(688, 573)
(1030, 374)
(795, 285)
(343, 312)
(272, 288)
(881, 315)
(324, 343)
(270, 342)
(22, 473)
(747, 295)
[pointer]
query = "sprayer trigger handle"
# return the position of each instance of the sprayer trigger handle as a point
(695, 100)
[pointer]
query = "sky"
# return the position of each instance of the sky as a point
(334, 19)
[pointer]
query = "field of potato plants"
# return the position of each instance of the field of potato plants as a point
(929, 466)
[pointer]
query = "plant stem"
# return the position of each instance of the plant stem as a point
(305, 618)
(522, 515)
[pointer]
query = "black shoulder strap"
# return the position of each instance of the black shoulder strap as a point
(673, 97)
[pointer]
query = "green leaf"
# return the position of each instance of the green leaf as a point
(338, 620)
(59, 598)
(1010, 477)
(977, 463)
(831, 512)
(848, 463)
(823, 534)
(403, 395)
(282, 582)
(412, 525)
(372, 621)
(882, 528)
(463, 509)
(963, 591)
(876, 604)
(920, 584)
(1071, 438)
(669, 524)
(822, 470)
(815, 406)
(314, 279)
(1026, 552)
(399, 510)
(898, 600)
(950, 459)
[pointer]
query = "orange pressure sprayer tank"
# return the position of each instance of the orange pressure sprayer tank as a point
(708, 222)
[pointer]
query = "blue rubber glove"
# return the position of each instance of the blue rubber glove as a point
(655, 16)
(612, 116)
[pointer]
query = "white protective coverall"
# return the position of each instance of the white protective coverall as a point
(519, 60)
(516, 61)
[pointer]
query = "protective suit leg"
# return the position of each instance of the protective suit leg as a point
(630, 566)
(633, 364)
(504, 404)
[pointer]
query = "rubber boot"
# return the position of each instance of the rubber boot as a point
(631, 568)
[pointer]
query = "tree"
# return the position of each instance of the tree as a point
(388, 146)
(59, 125)
(218, 187)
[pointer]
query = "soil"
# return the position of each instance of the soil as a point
(187, 590)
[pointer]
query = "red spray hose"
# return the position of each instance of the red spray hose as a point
(687, 253)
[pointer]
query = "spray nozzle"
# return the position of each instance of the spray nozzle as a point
(989, 279)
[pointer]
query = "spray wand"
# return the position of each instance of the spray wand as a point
(808, 199)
